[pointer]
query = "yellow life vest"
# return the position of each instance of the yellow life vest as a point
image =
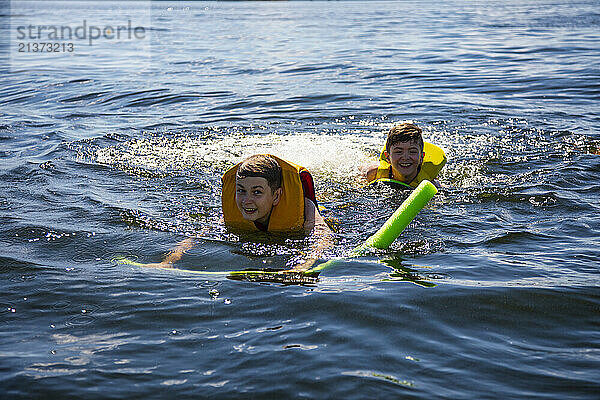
(433, 161)
(286, 216)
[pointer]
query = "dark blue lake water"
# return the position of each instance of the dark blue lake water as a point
(117, 148)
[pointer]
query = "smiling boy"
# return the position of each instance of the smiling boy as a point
(269, 194)
(266, 193)
(406, 159)
(255, 199)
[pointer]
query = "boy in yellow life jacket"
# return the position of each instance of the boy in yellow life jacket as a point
(266, 193)
(406, 159)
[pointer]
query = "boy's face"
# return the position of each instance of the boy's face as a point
(405, 158)
(255, 199)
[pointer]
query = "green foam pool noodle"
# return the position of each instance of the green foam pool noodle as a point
(400, 219)
(382, 239)
(241, 273)
(394, 226)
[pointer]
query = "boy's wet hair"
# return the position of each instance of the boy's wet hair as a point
(261, 166)
(404, 132)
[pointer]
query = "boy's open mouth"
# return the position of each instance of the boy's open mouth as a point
(249, 210)
(405, 165)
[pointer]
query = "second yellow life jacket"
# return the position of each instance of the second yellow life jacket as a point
(287, 215)
(433, 161)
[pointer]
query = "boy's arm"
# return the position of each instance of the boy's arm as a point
(314, 225)
(313, 221)
(369, 172)
(174, 255)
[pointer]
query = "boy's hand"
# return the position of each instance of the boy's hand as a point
(177, 253)
(306, 265)
(158, 265)
(368, 171)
